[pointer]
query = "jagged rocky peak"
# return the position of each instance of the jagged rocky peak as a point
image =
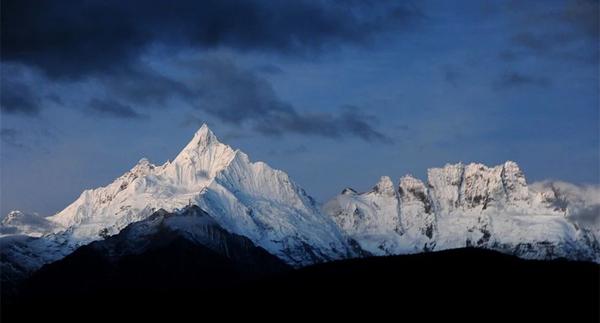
(486, 186)
(449, 175)
(477, 186)
(470, 205)
(514, 182)
(385, 186)
(481, 186)
(411, 189)
(143, 167)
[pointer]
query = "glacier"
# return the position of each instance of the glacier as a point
(469, 205)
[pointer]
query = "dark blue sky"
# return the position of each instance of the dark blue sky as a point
(336, 93)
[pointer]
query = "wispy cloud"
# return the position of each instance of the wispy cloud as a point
(581, 201)
(112, 108)
(516, 79)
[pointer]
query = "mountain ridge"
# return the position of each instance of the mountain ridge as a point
(459, 206)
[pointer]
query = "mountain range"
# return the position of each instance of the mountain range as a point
(214, 198)
(464, 206)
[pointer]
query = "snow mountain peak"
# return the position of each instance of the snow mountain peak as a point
(205, 136)
(245, 198)
(200, 160)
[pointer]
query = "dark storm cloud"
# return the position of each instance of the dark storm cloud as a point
(141, 85)
(515, 79)
(238, 96)
(112, 108)
(72, 38)
(349, 122)
(217, 87)
(17, 97)
(104, 42)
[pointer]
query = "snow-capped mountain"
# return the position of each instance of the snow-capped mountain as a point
(459, 206)
(462, 206)
(246, 198)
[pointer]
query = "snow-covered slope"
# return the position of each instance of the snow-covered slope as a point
(371, 217)
(21, 223)
(246, 198)
(466, 205)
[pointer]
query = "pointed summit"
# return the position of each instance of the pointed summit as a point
(385, 186)
(201, 159)
(204, 136)
(202, 140)
(204, 131)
